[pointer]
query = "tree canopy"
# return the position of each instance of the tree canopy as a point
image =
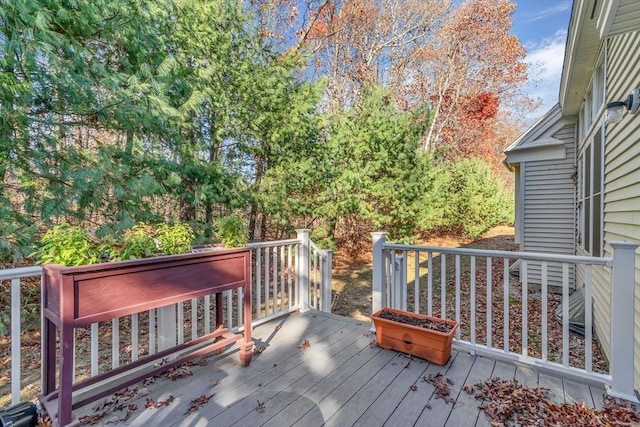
(334, 115)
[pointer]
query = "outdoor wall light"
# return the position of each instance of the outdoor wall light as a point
(616, 109)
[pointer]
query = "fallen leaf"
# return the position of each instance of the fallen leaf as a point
(413, 387)
(198, 402)
(304, 345)
(44, 422)
(261, 407)
(92, 419)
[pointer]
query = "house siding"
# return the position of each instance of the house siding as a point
(549, 208)
(621, 182)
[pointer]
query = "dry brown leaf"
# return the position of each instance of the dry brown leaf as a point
(198, 402)
(93, 419)
(304, 345)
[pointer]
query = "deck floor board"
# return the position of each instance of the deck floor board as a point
(340, 379)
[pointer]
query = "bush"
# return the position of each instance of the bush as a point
(174, 239)
(72, 245)
(232, 232)
(67, 245)
(471, 199)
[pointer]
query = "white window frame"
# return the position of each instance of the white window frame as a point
(590, 164)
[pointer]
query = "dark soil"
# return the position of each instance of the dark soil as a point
(416, 321)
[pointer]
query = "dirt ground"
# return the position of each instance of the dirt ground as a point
(352, 277)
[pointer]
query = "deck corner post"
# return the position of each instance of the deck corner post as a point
(302, 268)
(622, 321)
(325, 300)
(378, 272)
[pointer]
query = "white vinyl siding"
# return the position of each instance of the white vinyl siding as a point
(622, 170)
(621, 183)
(549, 206)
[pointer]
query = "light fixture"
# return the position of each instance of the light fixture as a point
(616, 109)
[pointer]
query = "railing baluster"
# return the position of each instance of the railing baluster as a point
(588, 320)
(314, 280)
(73, 369)
(505, 297)
(565, 314)
(282, 274)
(443, 285)
(134, 337)
(194, 318)
(180, 323)
(274, 277)
(545, 347)
(458, 296)
(15, 341)
(416, 285)
(389, 273)
(115, 342)
(207, 314)
(152, 331)
(258, 272)
(489, 305)
(229, 298)
(267, 298)
(95, 348)
(524, 308)
(430, 283)
(472, 300)
(240, 305)
(289, 270)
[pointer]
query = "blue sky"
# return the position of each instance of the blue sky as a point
(541, 26)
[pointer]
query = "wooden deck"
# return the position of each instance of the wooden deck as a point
(340, 379)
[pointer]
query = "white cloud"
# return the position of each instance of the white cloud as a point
(545, 61)
(545, 13)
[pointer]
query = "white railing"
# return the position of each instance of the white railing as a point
(286, 276)
(508, 317)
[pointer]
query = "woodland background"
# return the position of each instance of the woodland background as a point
(343, 116)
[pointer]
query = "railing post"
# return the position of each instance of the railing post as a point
(622, 321)
(325, 299)
(378, 299)
(302, 268)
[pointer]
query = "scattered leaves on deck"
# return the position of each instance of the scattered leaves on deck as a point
(120, 399)
(160, 403)
(261, 407)
(44, 422)
(93, 419)
(182, 371)
(259, 350)
(507, 403)
(413, 387)
(198, 402)
(441, 383)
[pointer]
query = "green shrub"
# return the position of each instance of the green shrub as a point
(138, 242)
(472, 200)
(67, 245)
(232, 232)
(174, 239)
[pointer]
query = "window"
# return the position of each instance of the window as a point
(591, 163)
(590, 204)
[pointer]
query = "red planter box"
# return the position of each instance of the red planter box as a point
(424, 343)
